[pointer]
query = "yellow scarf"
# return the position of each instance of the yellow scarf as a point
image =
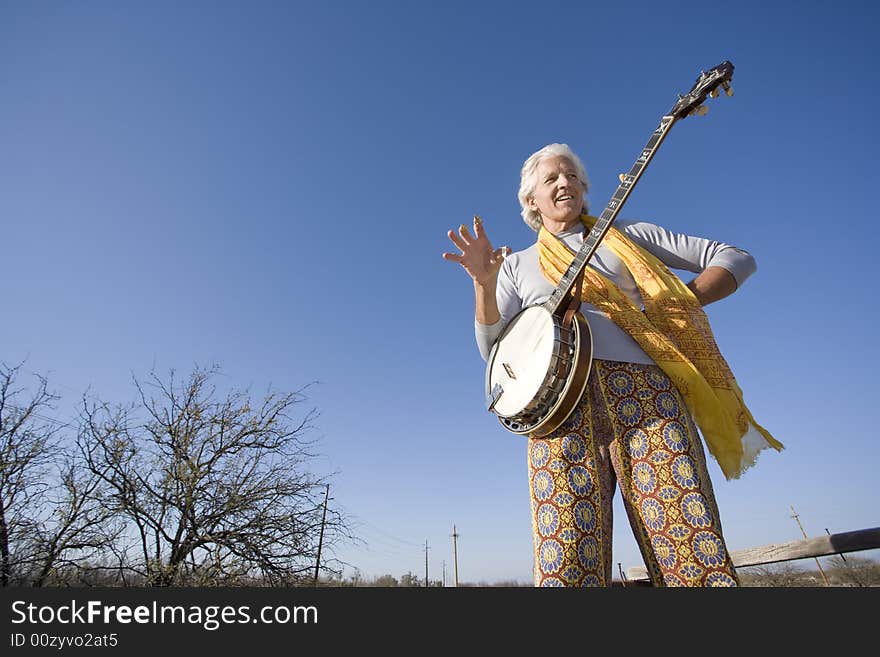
(674, 331)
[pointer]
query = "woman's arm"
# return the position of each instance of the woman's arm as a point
(721, 268)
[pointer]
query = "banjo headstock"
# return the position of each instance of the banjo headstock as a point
(706, 85)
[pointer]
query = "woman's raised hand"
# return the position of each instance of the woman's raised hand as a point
(478, 258)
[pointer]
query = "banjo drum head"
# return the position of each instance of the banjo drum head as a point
(522, 359)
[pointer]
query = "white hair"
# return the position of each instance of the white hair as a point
(527, 182)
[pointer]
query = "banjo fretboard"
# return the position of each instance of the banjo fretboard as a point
(555, 303)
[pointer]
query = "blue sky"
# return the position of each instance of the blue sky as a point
(268, 186)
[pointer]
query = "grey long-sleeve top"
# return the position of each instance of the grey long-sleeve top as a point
(521, 283)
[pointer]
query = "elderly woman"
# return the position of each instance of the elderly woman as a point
(650, 379)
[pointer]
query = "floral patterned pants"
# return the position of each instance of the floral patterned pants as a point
(631, 429)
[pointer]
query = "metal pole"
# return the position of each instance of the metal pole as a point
(839, 554)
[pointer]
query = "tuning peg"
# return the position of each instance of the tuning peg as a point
(727, 88)
(702, 110)
(622, 177)
(714, 93)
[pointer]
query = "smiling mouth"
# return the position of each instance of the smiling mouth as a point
(564, 197)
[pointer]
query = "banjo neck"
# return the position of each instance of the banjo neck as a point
(559, 300)
(691, 103)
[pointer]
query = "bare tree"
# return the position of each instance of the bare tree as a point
(854, 571)
(50, 517)
(777, 575)
(27, 441)
(213, 488)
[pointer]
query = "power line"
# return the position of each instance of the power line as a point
(42, 417)
(360, 519)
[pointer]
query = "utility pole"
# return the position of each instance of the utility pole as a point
(321, 538)
(455, 552)
(798, 521)
(426, 563)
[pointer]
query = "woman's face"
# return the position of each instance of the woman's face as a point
(559, 193)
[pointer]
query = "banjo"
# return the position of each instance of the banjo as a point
(538, 367)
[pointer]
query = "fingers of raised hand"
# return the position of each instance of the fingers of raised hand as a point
(479, 231)
(458, 241)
